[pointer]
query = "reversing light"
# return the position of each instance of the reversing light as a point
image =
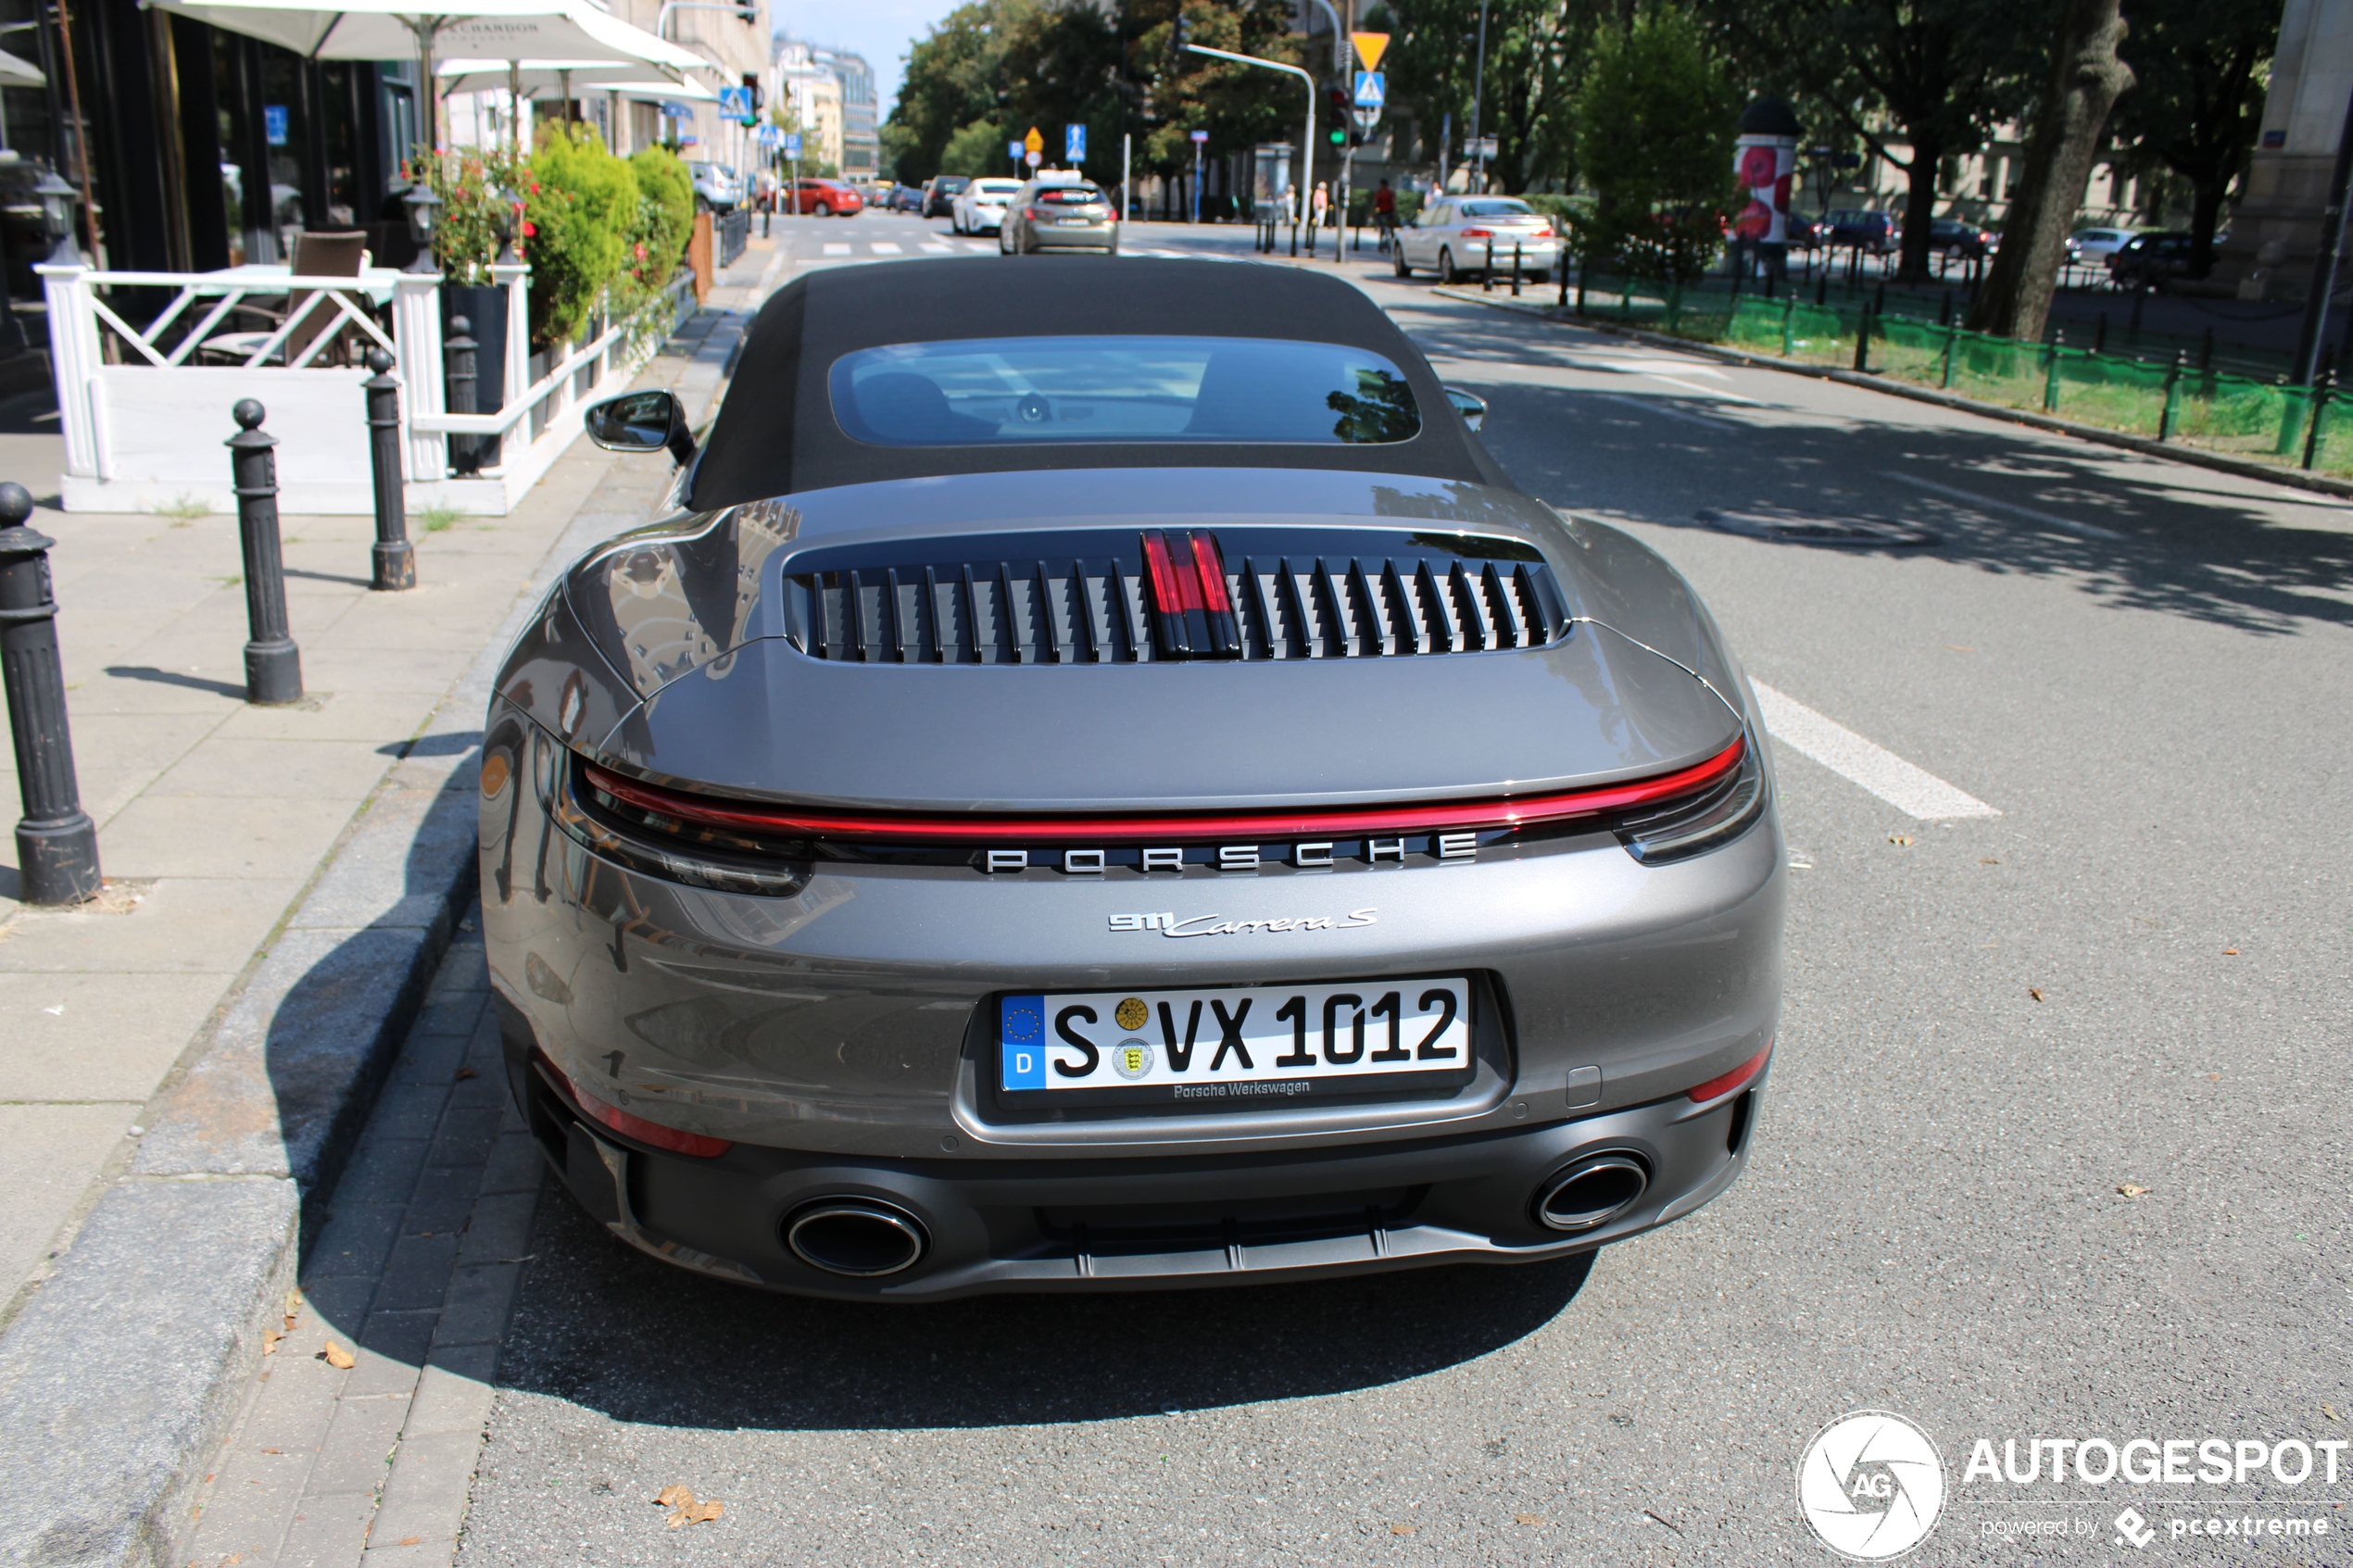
(1717, 1088)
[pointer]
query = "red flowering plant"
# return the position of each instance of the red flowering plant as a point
(473, 185)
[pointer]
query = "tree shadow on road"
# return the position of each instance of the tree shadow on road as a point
(2189, 542)
(602, 1326)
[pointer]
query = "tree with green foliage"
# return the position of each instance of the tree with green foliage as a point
(1537, 53)
(1240, 106)
(2086, 77)
(1657, 115)
(954, 79)
(1942, 72)
(2199, 69)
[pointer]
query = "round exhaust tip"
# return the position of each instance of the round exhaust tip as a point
(1591, 1193)
(859, 1236)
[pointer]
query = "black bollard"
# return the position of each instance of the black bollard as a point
(57, 844)
(462, 375)
(1486, 274)
(1515, 268)
(2206, 352)
(2099, 334)
(396, 558)
(273, 664)
(1863, 339)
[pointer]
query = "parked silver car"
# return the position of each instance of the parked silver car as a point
(1458, 235)
(1134, 798)
(1058, 212)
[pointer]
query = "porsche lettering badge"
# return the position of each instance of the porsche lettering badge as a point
(1218, 925)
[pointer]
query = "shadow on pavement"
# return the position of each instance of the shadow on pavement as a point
(2188, 546)
(174, 678)
(602, 1326)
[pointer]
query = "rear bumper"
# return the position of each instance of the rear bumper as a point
(1091, 236)
(1136, 1225)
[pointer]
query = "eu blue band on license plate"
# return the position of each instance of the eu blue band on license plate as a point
(1268, 1040)
(1023, 1042)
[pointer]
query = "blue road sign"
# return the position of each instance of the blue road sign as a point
(1074, 144)
(273, 123)
(792, 143)
(1012, 150)
(1372, 89)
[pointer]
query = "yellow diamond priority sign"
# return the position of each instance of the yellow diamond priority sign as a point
(1369, 47)
(1033, 143)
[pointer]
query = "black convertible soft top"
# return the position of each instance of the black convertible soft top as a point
(777, 432)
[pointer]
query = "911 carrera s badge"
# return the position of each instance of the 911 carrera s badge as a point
(1218, 925)
(1131, 1013)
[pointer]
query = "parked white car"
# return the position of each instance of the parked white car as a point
(980, 206)
(1455, 236)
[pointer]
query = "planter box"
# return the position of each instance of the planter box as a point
(485, 307)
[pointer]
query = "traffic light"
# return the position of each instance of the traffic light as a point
(1336, 106)
(1179, 39)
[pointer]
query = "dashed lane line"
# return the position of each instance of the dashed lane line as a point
(885, 247)
(836, 249)
(1987, 503)
(1914, 791)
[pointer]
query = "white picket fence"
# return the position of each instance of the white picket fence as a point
(144, 425)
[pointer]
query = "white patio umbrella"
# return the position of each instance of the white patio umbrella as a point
(534, 79)
(15, 72)
(495, 30)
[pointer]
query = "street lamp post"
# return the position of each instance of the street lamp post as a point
(1307, 146)
(1478, 93)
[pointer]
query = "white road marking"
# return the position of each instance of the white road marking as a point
(933, 247)
(837, 250)
(979, 247)
(1664, 410)
(1968, 499)
(1653, 367)
(885, 247)
(1656, 370)
(1914, 791)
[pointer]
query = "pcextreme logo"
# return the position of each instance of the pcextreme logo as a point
(1871, 1485)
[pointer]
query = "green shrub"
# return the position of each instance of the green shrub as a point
(580, 203)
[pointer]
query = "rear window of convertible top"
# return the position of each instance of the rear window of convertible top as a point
(980, 392)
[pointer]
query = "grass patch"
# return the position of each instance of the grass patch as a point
(184, 507)
(439, 518)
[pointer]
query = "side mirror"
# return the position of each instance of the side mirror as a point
(1472, 409)
(642, 421)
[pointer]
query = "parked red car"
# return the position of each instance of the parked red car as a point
(822, 198)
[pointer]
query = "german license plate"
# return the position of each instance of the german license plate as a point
(1262, 1044)
(1074, 221)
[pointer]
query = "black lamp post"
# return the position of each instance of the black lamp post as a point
(57, 219)
(423, 211)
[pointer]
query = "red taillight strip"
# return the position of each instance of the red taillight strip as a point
(637, 1127)
(1209, 567)
(1717, 1088)
(1230, 827)
(1174, 591)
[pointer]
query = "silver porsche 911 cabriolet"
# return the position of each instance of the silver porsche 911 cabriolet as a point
(1098, 781)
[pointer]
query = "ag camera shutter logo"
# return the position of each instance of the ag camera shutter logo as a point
(1871, 1485)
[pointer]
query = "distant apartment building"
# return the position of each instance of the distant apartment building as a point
(831, 93)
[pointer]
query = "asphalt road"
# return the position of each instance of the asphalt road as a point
(2133, 977)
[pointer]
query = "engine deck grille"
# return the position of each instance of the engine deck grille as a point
(1404, 594)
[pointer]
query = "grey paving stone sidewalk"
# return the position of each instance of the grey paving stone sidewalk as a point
(411, 1278)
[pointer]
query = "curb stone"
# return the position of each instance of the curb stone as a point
(121, 1374)
(2196, 456)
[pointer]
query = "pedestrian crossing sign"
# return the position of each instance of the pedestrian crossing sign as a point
(1372, 90)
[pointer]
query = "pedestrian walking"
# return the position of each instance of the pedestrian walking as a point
(1323, 204)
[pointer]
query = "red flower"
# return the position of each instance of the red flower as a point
(641, 250)
(535, 187)
(529, 230)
